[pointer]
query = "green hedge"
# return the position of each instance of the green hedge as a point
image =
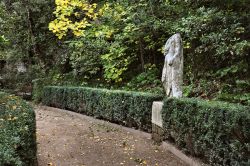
(217, 132)
(37, 89)
(131, 109)
(17, 132)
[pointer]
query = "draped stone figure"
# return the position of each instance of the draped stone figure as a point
(172, 74)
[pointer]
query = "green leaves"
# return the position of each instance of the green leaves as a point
(217, 132)
(128, 108)
(17, 128)
(124, 38)
(115, 62)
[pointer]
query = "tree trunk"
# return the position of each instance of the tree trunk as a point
(141, 55)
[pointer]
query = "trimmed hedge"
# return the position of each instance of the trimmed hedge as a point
(217, 132)
(37, 90)
(131, 109)
(17, 132)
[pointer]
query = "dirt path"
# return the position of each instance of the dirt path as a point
(69, 139)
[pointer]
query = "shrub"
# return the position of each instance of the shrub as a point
(37, 91)
(217, 132)
(17, 132)
(131, 109)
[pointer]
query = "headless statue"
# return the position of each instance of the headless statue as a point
(172, 74)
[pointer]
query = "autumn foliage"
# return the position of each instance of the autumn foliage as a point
(74, 15)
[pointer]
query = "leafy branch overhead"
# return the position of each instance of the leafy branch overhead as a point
(74, 15)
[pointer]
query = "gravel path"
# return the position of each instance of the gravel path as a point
(70, 139)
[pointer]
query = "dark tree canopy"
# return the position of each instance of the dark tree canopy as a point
(123, 47)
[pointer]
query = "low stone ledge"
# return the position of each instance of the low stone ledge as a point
(158, 136)
(157, 123)
(156, 113)
(157, 133)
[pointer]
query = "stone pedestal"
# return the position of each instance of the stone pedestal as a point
(157, 123)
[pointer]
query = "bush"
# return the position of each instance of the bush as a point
(37, 90)
(131, 109)
(17, 132)
(217, 132)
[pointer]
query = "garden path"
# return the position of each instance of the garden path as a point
(70, 139)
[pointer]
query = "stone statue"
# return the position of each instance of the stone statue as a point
(172, 74)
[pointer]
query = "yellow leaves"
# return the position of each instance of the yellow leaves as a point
(106, 7)
(78, 33)
(140, 161)
(144, 162)
(65, 9)
(11, 118)
(77, 14)
(68, 13)
(61, 2)
(105, 31)
(58, 27)
(109, 33)
(186, 45)
(90, 11)
(50, 164)
(94, 5)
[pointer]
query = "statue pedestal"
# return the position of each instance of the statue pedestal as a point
(157, 123)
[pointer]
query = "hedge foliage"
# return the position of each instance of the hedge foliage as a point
(131, 109)
(217, 132)
(17, 132)
(37, 91)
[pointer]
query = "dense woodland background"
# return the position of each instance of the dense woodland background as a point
(123, 48)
